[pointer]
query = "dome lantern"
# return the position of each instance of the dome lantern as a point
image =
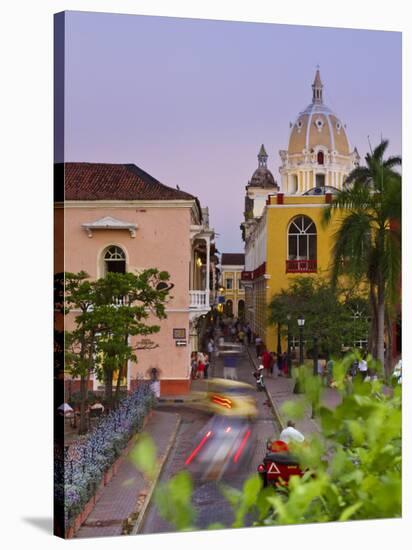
(262, 157)
(317, 88)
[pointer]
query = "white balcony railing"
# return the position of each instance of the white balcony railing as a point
(199, 299)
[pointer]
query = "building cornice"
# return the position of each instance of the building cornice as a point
(127, 204)
(298, 204)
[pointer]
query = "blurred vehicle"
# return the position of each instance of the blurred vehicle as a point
(225, 397)
(278, 465)
(224, 447)
(230, 348)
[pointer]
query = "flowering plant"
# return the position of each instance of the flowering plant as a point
(79, 472)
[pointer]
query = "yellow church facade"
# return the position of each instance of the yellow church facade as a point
(296, 244)
(285, 237)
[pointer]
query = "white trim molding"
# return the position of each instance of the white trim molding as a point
(109, 223)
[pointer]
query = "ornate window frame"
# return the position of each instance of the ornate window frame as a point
(306, 235)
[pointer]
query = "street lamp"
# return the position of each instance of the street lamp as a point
(315, 368)
(289, 359)
(301, 324)
(315, 356)
(279, 346)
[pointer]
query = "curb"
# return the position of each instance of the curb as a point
(143, 510)
(276, 411)
(275, 408)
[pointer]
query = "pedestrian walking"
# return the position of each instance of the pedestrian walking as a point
(258, 344)
(207, 365)
(211, 349)
(353, 369)
(200, 371)
(321, 368)
(272, 362)
(248, 335)
(284, 363)
(266, 361)
(193, 365)
(329, 372)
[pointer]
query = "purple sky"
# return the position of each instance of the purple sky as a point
(190, 101)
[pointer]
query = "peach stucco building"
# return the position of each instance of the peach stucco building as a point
(119, 218)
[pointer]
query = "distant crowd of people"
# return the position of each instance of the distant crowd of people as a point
(223, 331)
(200, 364)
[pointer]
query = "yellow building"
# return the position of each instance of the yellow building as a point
(285, 238)
(232, 266)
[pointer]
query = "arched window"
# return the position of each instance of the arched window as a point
(321, 157)
(301, 245)
(114, 260)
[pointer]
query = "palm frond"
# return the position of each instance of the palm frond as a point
(380, 149)
(361, 174)
(351, 246)
(390, 162)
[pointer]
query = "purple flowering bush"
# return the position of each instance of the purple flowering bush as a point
(85, 462)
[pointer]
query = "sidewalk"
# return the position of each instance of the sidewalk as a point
(280, 390)
(128, 488)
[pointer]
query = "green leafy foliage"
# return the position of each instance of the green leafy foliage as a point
(327, 309)
(367, 244)
(143, 456)
(353, 468)
(173, 500)
(108, 311)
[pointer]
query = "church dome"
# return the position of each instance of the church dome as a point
(262, 176)
(318, 127)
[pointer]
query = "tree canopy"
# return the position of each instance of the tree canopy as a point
(333, 314)
(367, 245)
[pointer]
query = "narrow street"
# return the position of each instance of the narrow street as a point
(209, 503)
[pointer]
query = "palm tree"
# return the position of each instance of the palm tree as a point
(367, 244)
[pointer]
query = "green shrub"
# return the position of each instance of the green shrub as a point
(354, 467)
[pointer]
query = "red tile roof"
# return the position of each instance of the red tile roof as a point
(232, 258)
(99, 181)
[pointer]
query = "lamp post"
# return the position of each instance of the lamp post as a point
(315, 356)
(315, 369)
(289, 359)
(279, 346)
(301, 324)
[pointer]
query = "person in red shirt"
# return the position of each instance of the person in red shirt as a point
(266, 359)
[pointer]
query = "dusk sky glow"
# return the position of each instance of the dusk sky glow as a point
(191, 101)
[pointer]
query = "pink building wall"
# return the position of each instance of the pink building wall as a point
(162, 241)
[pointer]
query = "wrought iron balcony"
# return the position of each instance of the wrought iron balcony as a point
(301, 266)
(246, 276)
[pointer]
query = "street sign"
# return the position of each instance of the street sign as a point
(179, 333)
(180, 343)
(221, 299)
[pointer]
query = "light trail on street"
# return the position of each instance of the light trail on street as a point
(193, 436)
